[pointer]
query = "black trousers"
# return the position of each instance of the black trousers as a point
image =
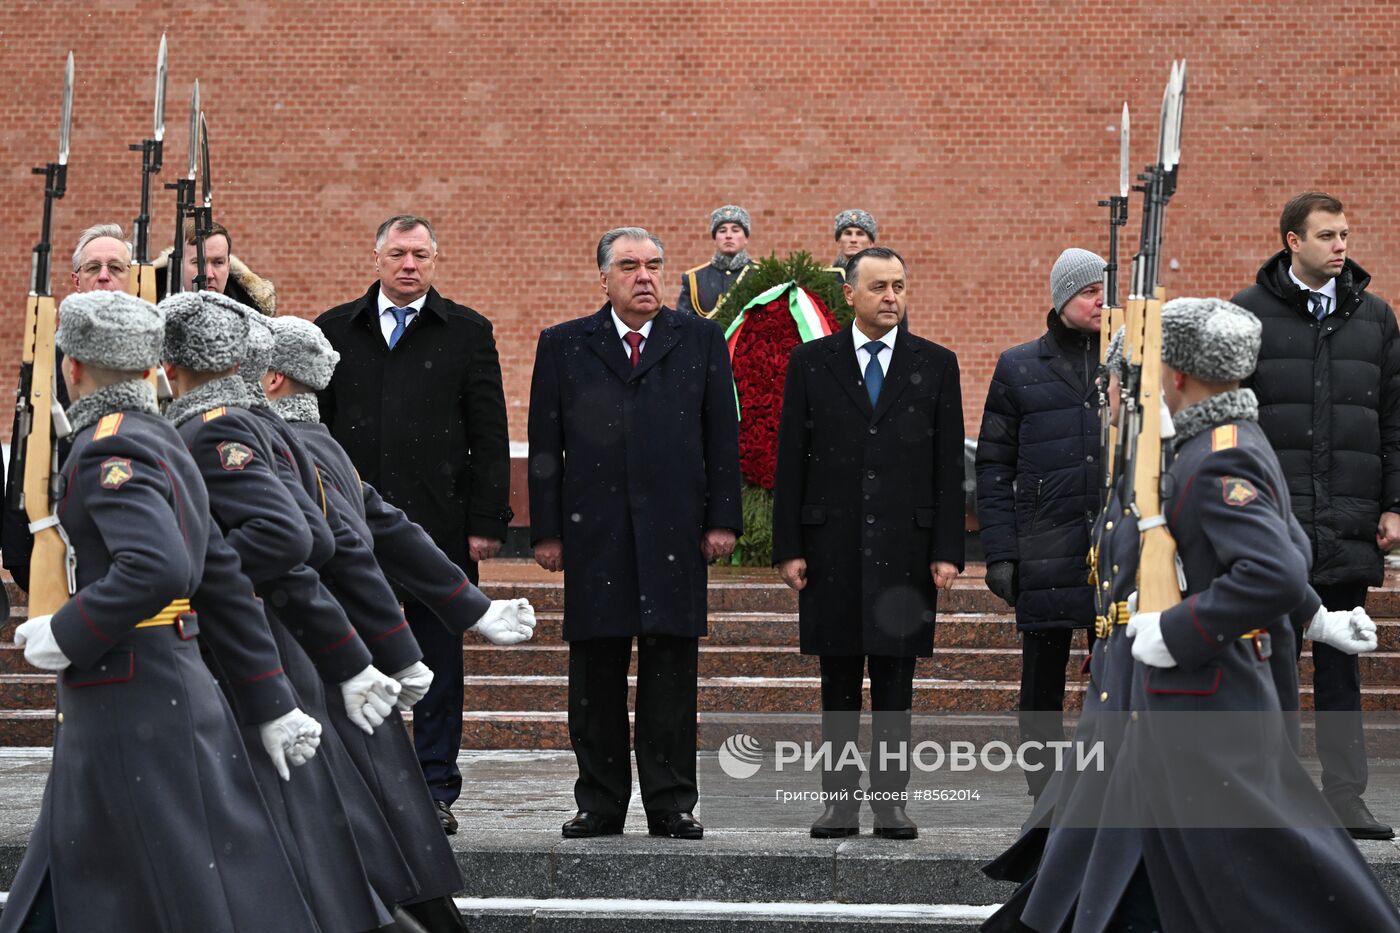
(1044, 656)
(664, 739)
(1341, 739)
(437, 718)
(891, 703)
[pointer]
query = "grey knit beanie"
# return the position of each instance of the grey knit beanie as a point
(730, 214)
(855, 218)
(205, 331)
(1075, 270)
(1210, 338)
(113, 330)
(302, 352)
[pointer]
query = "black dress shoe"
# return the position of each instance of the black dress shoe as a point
(836, 822)
(586, 825)
(449, 822)
(675, 825)
(894, 823)
(1359, 822)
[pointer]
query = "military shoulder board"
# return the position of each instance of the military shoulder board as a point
(213, 413)
(108, 426)
(1224, 437)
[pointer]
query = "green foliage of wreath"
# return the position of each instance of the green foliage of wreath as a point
(755, 547)
(799, 267)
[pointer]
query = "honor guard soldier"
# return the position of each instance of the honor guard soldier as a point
(152, 818)
(855, 231)
(353, 865)
(1219, 806)
(703, 286)
(408, 554)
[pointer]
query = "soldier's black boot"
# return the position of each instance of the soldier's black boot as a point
(894, 823)
(438, 915)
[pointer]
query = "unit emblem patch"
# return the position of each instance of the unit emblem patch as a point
(115, 472)
(234, 456)
(1237, 491)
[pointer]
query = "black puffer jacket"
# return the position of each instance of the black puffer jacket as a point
(1040, 431)
(1329, 402)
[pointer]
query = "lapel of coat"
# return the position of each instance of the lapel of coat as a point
(603, 340)
(903, 362)
(665, 334)
(1058, 364)
(841, 360)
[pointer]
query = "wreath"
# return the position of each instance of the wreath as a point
(775, 306)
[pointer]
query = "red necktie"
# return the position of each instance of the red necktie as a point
(634, 340)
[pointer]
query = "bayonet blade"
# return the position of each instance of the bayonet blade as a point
(1169, 127)
(1123, 163)
(1162, 122)
(1180, 108)
(194, 129)
(160, 91)
(66, 126)
(205, 184)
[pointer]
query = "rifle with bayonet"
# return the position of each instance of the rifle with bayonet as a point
(52, 571)
(143, 271)
(204, 211)
(1112, 316)
(142, 282)
(1159, 584)
(184, 203)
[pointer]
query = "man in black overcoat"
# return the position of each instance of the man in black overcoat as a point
(417, 402)
(868, 522)
(634, 487)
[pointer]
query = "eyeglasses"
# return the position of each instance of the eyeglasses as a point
(115, 268)
(630, 266)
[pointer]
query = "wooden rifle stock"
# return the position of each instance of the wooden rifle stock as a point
(48, 565)
(1158, 588)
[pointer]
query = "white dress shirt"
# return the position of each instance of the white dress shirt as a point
(1328, 291)
(623, 330)
(863, 358)
(386, 314)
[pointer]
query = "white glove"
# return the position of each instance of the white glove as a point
(1145, 629)
(1348, 630)
(369, 698)
(415, 681)
(292, 737)
(507, 622)
(40, 647)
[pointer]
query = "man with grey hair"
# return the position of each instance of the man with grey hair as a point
(634, 488)
(101, 262)
(418, 405)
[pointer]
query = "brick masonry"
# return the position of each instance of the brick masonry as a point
(980, 134)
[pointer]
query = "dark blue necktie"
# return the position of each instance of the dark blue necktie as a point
(400, 322)
(874, 375)
(1319, 305)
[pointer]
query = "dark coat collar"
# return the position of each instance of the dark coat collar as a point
(841, 360)
(368, 311)
(603, 340)
(1273, 277)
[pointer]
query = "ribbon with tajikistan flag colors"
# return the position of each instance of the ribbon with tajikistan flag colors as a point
(810, 322)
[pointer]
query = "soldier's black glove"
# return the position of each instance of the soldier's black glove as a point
(1002, 581)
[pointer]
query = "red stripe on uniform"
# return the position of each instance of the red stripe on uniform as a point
(399, 628)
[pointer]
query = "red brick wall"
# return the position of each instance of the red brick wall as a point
(980, 134)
